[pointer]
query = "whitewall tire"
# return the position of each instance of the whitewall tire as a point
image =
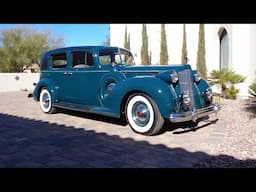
(46, 101)
(143, 115)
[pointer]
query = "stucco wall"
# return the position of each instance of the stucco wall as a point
(17, 81)
(241, 46)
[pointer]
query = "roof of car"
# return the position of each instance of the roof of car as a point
(80, 47)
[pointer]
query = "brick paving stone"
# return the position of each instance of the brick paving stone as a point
(27, 164)
(31, 138)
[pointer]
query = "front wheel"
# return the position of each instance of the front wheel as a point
(46, 101)
(143, 115)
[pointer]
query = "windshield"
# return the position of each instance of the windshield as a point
(115, 56)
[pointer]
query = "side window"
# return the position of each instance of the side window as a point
(105, 59)
(81, 59)
(59, 60)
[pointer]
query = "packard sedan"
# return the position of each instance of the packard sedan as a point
(106, 81)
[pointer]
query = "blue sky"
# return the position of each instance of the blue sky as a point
(73, 34)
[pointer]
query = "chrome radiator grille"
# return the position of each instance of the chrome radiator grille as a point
(185, 83)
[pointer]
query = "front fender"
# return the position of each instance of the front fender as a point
(164, 96)
(202, 85)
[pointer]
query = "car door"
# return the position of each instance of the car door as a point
(84, 77)
(58, 70)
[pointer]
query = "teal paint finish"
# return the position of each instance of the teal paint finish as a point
(153, 87)
(162, 72)
(87, 88)
(199, 89)
(44, 83)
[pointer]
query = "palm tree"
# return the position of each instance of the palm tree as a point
(219, 77)
(252, 89)
(224, 77)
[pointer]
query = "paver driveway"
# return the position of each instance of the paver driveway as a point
(30, 138)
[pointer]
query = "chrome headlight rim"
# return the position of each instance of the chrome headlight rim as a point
(186, 101)
(174, 77)
(208, 95)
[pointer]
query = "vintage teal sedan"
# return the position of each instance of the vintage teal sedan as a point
(105, 80)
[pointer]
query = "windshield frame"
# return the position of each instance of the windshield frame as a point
(115, 56)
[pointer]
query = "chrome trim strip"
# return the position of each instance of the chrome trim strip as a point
(85, 110)
(185, 83)
(194, 115)
(99, 71)
(140, 71)
(124, 71)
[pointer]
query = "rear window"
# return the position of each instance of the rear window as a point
(44, 63)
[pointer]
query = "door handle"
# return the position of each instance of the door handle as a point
(67, 73)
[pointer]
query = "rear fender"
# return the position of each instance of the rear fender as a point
(49, 85)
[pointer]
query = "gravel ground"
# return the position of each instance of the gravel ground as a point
(238, 148)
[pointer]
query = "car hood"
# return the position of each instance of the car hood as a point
(152, 70)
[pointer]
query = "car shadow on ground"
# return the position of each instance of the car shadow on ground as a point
(185, 127)
(33, 143)
(167, 127)
(117, 121)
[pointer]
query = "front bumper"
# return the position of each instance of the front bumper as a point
(194, 115)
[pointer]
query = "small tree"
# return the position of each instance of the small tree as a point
(125, 38)
(163, 47)
(201, 66)
(227, 79)
(23, 46)
(252, 89)
(144, 47)
(128, 42)
(184, 52)
(107, 40)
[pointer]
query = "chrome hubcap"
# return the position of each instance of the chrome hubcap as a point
(46, 100)
(140, 114)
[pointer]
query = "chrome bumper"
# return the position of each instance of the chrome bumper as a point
(194, 115)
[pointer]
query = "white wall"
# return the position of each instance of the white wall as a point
(241, 45)
(117, 37)
(252, 50)
(174, 33)
(8, 81)
(241, 60)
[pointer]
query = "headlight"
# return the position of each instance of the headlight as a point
(197, 77)
(174, 77)
(186, 101)
(208, 95)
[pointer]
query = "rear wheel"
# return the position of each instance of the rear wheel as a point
(46, 101)
(143, 115)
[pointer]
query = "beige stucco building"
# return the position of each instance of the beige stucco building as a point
(227, 45)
